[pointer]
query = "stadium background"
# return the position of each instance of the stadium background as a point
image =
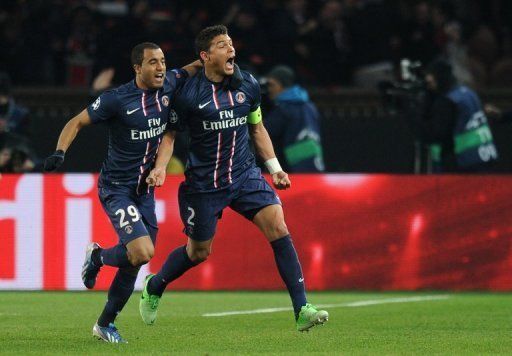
(353, 231)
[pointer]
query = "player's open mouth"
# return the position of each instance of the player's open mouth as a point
(159, 77)
(230, 63)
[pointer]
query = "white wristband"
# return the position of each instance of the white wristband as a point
(273, 166)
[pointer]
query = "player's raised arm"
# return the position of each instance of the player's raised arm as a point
(157, 175)
(265, 150)
(193, 68)
(66, 137)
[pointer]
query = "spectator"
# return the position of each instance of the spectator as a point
(16, 160)
(13, 117)
(294, 123)
(420, 36)
(328, 46)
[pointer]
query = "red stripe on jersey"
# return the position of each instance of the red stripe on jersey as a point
(233, 143)
(157, 102)
(231, 98)
(144, 104)
(215, 174)
(141, 167)
(214, 94)
(156, 152)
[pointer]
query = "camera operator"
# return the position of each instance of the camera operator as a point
(453, 124)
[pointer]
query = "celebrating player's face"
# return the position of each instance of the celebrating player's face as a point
(221, 55)
(152, 71)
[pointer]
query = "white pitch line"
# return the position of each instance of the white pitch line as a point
(361, 303)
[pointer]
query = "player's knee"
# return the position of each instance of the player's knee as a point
(278, 229)
(141, 256)
(199, 255)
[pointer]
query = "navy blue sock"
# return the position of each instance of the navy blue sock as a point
(176, 264)
(120, 291)
(289, 268)
(116, 256)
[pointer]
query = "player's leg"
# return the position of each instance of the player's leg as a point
(270, 220)
(135, 247)
(178, 262)
(119, 292)
(123, 284)
(258, 202)
(199, 215)
(127, 219)
(122, 287)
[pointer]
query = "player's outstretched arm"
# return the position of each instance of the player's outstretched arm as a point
(66, 137)
(157, 175)
(193, 68)
(265, 151)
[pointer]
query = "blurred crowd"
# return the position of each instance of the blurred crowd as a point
(330, 43)
(16, 156)
(325, 43)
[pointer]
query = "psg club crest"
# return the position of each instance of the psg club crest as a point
(173, 116)
(165, 100)
(240, 97)
(96, 104)
(128, 229)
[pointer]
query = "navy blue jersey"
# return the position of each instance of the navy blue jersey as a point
(216, 117)
(137, 119)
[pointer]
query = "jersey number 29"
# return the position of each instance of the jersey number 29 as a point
(131, 211)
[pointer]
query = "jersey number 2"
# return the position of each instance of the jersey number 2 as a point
(131, 211)
(192, 214)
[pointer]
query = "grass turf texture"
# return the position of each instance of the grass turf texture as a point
(61, 323)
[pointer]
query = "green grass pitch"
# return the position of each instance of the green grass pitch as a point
(461, 324)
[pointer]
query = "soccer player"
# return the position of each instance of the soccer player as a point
(137, 114)
(221, 172)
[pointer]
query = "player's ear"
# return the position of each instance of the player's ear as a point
(204, 56)
(137, 68)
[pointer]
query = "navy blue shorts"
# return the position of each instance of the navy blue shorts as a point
(200, 211)
(131, 215)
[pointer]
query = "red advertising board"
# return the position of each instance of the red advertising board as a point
(365, 232)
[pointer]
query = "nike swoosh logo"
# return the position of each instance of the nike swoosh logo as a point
(203, 105)
(129, 112)
(301, 280)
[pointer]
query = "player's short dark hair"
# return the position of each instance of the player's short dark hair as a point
(205, 37)
(138, 51)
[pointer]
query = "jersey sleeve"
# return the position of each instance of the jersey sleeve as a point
(255, 93)
(104, 107)
(177, 77)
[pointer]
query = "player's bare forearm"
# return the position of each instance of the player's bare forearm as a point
(71, 129)
(165, 150)
(193, 68)
(157, 175)
(262, 142)
(265, 151)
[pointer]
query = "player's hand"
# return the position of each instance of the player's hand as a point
(235, 81)
(54, 161)
(156, 177)
(281, 180)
